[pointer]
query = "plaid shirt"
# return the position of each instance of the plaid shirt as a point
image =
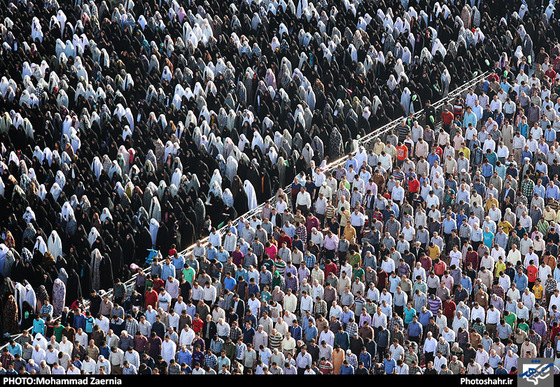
(527, 187)
(210, 360)
(235, 334)
(352, 329)
(131, 326)
(309, 260)
(550, 285)
(6, 359)
(320, 308)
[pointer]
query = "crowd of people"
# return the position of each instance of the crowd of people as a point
(137, 127)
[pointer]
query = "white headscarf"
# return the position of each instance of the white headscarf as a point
(92, 236)
(54, 244)
(251, 195)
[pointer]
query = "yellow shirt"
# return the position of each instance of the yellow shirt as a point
(538, 290)
(349, 232)
(466, 152)
(499, 267)
(506, 226)
(433, 252)
(489, 203)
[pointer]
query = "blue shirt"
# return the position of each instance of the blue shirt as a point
(466, 282)
(167, 271)
(39, 326)
(526, 154)
(393, 283)
(488, 238)
(15, 349)
(432, 157)
(414, 329)
(309, 260)
(184, 357)
(222, 256)
(424, 317)
(449, 225)
(79, 321)
(492, 158)
(178, 262)
(342, 339)
(487, 170)
(469, 118)
(310, 332)
(296, 332)
(521, 281)
(366, 359)
(211, 253)
(88, 324)
(389, 365)
(229, 283)
(552, 192)
(540, 189)
(408, 314)
(352, 162)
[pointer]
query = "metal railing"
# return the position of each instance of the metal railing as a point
(365, 140)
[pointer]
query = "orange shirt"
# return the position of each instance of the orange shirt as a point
(402, 152)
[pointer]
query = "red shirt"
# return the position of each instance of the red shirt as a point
(439, 268)
(494, 77)
(330, 267)
(150, 298)
(532, 273)
(312, 222)
(413, 185)
(286, 239)
(197, 323)
(447, 117)
(550, 73)
(158, 284)
(472, 257)
(426, 262)
(449, 309)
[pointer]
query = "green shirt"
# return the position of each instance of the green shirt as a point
(266, 296)
(57, 330)
(359, 273)
(188, 274)
(524, 327)
(511, 319)
(355, 259)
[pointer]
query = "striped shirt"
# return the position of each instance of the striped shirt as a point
(330, 212)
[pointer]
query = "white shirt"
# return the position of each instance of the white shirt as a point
(379, 320)
(478, 313)
(357, 220)
(492, 316)
(430, 345)
(455, 258)
(554, 300)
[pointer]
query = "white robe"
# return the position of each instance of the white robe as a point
(251, 195)
(154, 228)
(54, 244)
